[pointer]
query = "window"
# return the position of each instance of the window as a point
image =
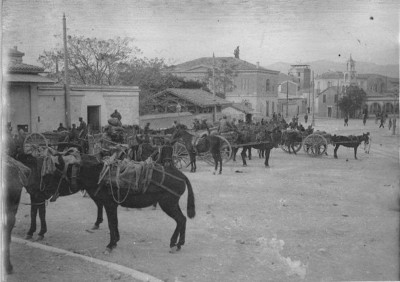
(245, 83)
(329, 84)
(267, 85)
(298, 74)
(324, 98)
(336, 98)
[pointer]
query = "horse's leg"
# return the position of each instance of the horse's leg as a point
(249, 150)
(219, 158)
(12, 202)
(335, 151)
(43, 225)
(215, 162)
(355, 152)
(32, 229)
(234, 151)
(192, 161)
(243, 154)
(171, 208)
(294, 151)
(267, 154)
(112, 218)
(99, 215)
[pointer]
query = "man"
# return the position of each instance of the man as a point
(147, 128)
(61, 127)
(224, 125)
(82, 128)
(196, 124)
(117, 115)
(306, 118)
(73, 135)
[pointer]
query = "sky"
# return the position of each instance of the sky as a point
(296, 31)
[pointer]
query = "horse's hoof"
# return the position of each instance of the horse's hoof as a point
(40, 238)
(95, 227)
(220, 172)
(174, 249)
(28, 237)
(107, 251)
(9, 269)
(214, 172)
(244, 164)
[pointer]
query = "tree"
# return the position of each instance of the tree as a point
(147, 74)
(224, 75)
(352, 100)
(90, 60)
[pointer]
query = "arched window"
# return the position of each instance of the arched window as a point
(267, 85)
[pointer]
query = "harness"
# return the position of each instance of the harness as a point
(139, 173)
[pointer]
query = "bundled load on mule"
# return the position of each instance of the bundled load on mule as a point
(126, 176)
(114, 130)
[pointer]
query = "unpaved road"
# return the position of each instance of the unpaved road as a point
(310, 219)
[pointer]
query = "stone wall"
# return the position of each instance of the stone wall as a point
(108, 98)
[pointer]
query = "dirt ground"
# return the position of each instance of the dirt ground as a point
(303, 218)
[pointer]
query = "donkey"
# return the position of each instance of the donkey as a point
(349, 141)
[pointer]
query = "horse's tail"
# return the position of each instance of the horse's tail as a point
(191, 211)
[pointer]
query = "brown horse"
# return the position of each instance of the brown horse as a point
(16, 176)
(195, 144)
(167, 184)
(349, 141)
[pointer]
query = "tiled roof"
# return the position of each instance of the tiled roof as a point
(196, 96)
(231, 62)
(331, 75)
(243, 108)
(24, 68)
(19, 77)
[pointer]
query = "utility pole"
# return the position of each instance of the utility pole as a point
(313, 101)
(337, 100)
(215, 106)
(287, 97)
(66, 82)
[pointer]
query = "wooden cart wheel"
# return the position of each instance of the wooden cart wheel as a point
(315, 145)
(35, 144)
(180, 156)
(297, 146)
(225, 151)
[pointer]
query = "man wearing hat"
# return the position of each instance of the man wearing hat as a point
(224, 125)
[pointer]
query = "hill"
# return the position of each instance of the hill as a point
(322, 66)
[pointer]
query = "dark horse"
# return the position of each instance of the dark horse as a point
(196, 144)
(292, 137)
(15, 177)
(349, 141)
(40, 192)
(264, 140)
(166, 186)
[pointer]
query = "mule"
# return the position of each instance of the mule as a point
(166, 186)
(40, 192)
(349, 141)
(15, 177)
(196, 144)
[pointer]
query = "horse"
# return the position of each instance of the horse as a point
(349, 141)
(291, 137)
(15, 177)
(166, 186)
(268, 140)
(200, 144)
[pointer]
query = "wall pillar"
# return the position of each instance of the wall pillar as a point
(34, 113)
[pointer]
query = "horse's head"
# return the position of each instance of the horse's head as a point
(59, 174)
(365, 138)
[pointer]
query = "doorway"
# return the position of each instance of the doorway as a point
(93, 118)
(329, 112)
(267, 109)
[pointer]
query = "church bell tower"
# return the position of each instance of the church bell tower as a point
(350, 77)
